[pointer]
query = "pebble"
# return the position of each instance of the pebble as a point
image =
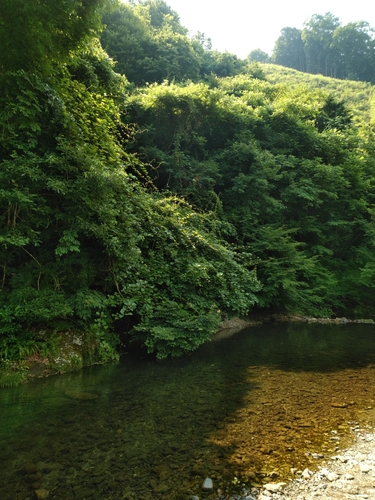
(348, 477)
(333, 481)
(42, 494)
(306, 474)
(365, 468)
(273, 488)
(208, 484)
(332, 476)
(30, 468)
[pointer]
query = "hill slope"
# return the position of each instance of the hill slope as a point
(359, 96)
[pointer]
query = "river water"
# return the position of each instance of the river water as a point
(240, 410)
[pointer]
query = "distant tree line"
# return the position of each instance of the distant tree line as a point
(324, 46)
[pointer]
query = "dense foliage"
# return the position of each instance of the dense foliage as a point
(285, 171)
(83, 243)
(154, 210)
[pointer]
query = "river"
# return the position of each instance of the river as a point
(240, 410)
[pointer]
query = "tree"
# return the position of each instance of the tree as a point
(221, 64)
(258, 55)
(333, 115)
(33, 34)
(281, 172)
(83, 243)
(289, 49)
(149, 44)
(161, 16)
(355, 46)
(127, 40)
(317, 36)
(325, 46)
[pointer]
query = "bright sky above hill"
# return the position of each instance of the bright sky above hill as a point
(240, 26)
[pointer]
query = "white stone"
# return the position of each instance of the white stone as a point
(348, 477)
(273, 488)
(208, 484)
(331, 476)
(365, 468)
(306, 474)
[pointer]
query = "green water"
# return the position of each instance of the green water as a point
(246, 406)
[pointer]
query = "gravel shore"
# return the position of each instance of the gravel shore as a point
(348, 475)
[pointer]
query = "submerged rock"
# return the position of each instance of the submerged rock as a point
(208, 484)
(30, 468)
(41, 494)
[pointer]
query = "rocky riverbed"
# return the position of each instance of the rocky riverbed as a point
(348, 475)
(265, 407)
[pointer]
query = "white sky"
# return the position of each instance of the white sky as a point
(240, 26)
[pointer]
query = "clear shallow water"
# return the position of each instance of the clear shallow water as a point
(257, 403)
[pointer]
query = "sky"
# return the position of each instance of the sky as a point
(240, 26)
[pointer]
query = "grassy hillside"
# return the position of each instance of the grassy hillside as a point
(359, 96)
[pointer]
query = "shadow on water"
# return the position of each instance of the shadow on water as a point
(249, 406)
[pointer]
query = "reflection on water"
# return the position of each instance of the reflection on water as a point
(257, 403)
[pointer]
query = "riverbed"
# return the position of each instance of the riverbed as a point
(243, 411)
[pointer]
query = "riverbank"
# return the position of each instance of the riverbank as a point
(349, 474)
(259, 319)
(312, 319)
(68, 351)
(73, 350)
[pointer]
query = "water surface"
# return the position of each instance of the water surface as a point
(250, 406)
